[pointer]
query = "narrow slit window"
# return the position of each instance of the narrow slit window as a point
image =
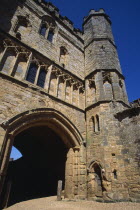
(98, 123)
(32, 72)
(115, 173)
(93, 124)
(41, 78)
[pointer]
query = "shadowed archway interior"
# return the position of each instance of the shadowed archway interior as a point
(37, 172)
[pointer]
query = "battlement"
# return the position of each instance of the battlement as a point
(100, 12)
(54, 11)
(135, 103)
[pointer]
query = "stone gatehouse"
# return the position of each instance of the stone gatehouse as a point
(64, 106)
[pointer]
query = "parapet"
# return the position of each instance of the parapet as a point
(54, 11)
(135, 103)
(100, 12)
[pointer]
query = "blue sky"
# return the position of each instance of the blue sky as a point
(125, 17)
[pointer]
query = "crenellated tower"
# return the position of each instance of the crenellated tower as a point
(104, 79)
(105, 95)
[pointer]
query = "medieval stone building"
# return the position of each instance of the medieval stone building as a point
(64, 106)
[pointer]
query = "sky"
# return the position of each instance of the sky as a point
(125, 17)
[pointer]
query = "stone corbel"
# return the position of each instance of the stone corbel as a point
(34, 60)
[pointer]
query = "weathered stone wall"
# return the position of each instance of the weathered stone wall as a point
(97, 25)
(129, 123)
(103, 147)
(62, 37)
(100, 50)
(101, 55)
(18, 97)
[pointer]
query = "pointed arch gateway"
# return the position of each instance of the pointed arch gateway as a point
(49, 143)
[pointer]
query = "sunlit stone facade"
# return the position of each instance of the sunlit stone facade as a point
(64, 106)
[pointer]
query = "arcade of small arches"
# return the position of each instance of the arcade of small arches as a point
(105, 85)
(21, 64)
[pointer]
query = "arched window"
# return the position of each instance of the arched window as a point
(21, 66)
(41, 78)
(60, 91)
(107, 85)
(81, 97)
(52, 88)
(32, 72)
(47, 28)
(93, 92)
(8, 61)
(68, 91)
(108, 90)
(50, 35)
(75, 95)
(43, 29)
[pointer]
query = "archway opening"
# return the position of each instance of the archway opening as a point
(99, 188)
(42, 165)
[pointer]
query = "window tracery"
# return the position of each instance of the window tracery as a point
(47, 28)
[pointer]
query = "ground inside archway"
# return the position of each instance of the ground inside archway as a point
(51, 204)
(37, 172)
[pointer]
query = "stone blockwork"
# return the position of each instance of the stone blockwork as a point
(70, 81)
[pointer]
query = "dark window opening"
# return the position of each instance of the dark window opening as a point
(113, 154)
(115, 173)
(98, 123)
(93, 124)
(43, 30)
(41, 78)
(50, 36)
(32, 73)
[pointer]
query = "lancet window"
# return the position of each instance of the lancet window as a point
(31, 75)
(47, 28)
(95, 123)
(41, 78)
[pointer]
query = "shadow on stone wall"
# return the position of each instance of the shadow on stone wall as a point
(7, 11)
